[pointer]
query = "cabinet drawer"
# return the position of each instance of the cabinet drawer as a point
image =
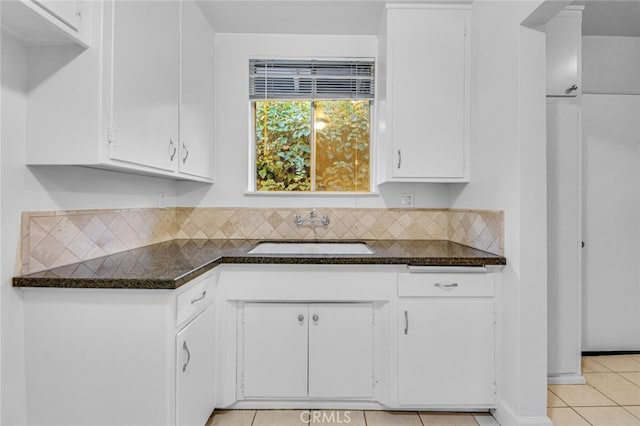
(445, 285)
(193, 301)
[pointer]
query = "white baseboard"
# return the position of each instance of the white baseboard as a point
(573, 379)
(507, 417)
(305, 405)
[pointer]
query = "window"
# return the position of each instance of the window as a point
(312, 124)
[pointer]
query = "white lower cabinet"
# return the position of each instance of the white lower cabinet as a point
(260, 336)
(120, 357)
(446, 341)
(195, 370)
(299, 350)
(341, 350)
(275, 350)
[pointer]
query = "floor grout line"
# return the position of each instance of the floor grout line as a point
(616, 403)
(581, 416)
(634, 384)
(554, 394)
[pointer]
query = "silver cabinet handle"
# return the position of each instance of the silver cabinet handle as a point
(446, 286)
(300, 317)
(571, 89)
(315, 317)
(172, 149)
(186, 349)
(399, 158)
(186, 153)
(406, 322)
(197, 299)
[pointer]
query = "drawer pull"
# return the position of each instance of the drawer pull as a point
(406, 322)
(197, 299)
(447, 287)
(186, 349)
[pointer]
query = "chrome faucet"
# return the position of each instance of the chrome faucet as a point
(313, 217)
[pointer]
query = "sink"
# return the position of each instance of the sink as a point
(311, 248)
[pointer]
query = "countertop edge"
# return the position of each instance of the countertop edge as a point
(162, 283)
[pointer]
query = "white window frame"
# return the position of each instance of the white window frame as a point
(252, 178)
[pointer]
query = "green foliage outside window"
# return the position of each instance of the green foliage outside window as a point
(342, 146)
(283, 145)
(341, 157)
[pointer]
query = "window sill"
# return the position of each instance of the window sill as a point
(310, 194)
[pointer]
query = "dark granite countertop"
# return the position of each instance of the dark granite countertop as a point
(170, 264)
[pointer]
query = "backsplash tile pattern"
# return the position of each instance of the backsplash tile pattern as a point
(376, 224)
(56, 238)
(481, 229)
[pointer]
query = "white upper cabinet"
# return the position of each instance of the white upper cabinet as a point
(564, 53)
(122, 96)
(59, 22)
(196, 94)
(144, 60)
(424, 99)
(68, 12)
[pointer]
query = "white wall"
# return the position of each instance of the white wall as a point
(509, 163)
(232, 121)
(611, 65)
(42, 188)
(611, 224)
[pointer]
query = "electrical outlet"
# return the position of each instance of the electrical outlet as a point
(406, 200)
(162, 202)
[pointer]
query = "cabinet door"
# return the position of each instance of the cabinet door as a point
(446, 352)
(427, 60)
(341, 350)
(275, 350)
(67, 11)
(196, 96)
(563, 54)
(145, 65)
(195, 398)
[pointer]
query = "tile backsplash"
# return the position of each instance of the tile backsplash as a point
(51, 239)
(56, 238)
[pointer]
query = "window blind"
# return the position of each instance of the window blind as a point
(311, 79)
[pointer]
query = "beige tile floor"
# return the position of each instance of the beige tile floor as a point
(611, 396)
(347, 418)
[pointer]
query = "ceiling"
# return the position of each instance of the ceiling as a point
(611, 18)
(362, 17)
(345, 17)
